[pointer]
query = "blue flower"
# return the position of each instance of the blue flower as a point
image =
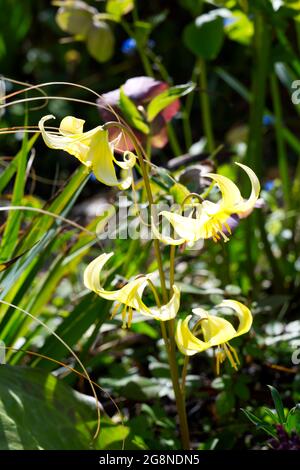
(228, 21)
(269, 185)
(268, 120)
(93, 177)
(128, 46)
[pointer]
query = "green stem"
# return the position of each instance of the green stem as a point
(254, 157)
(282, 156)
(172, 266)
(205, 106)
(173, 140)
(169, 344)
(179, 395)
(259, 80)
(184, 372)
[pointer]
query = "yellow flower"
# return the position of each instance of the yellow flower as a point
(91, 148)
(130, 295)
(216, 331)
(211, 218)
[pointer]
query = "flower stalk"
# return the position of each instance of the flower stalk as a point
(167, 333)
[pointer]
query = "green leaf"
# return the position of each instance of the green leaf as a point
(239, 28)
(224, 403)
(142, 30)
(179, 193)
(75, 19)
(100, 41)
(14, 218)
(167, 97)
(241, 390)
(205, 36)
(293, 420)
(37, 411)
(278, 404)
(271, 415)
(259, 423)
(10, 170)
(118, 8)
(132, 114)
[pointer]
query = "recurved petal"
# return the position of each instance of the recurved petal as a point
(76, 145)
(165, 312)
(188, 343)
(231, 195)
(248, 204)
(129, 160)
(126, 295)
(91, 277)
(243, 313)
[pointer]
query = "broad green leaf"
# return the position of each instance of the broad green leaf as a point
(179, 193)
(278, 404)
(132, 114)
(205, 36)
(100, 41)
(167, 97)
(90, 309)
(118, 8)
(75, 19)
(37, 411)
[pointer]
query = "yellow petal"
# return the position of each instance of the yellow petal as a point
(188, 343)
(248, 204)
(188, 229)
(231, 195)
(243, 313)
(71, 125)
(126, 295)
(232, 201)
(216, 330)
(76, 144)
(165, 238)
(92, 148)
(165, 312)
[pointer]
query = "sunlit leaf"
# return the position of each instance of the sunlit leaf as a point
(167, 97)
(118, 8)
(132, 114)
(100, 41)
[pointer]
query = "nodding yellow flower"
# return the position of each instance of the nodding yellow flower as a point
(211, 218)
(216, 332)
(91, 148)
(130, 295)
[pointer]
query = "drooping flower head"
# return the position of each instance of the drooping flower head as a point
(211, 220)
(141, 90)
(216, 332)
(130, 295)
(92, 148)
